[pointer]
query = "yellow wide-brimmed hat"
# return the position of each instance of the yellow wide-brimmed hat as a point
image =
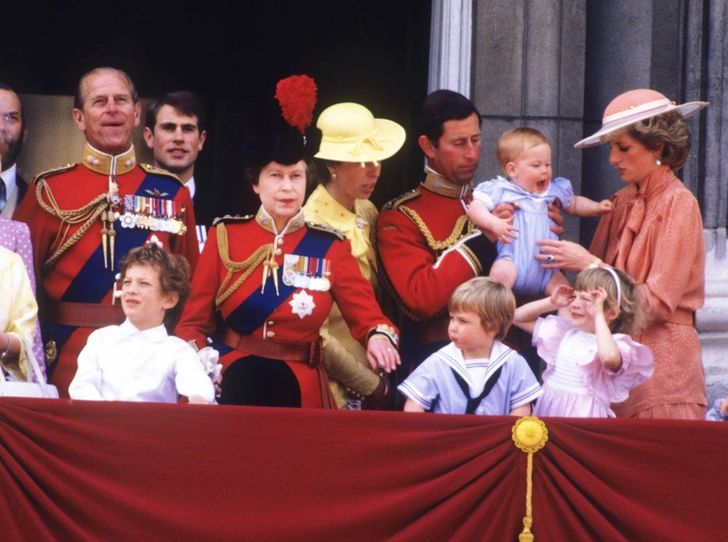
(634, 106)
(350, 133)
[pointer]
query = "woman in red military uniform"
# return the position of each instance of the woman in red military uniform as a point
(265, 284)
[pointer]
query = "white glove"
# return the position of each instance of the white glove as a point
(210, 358)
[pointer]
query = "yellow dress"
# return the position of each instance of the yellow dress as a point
(345, 359)
(18, 308)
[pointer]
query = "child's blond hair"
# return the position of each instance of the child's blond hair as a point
(514, 142)
(630, 319)
(489, 299)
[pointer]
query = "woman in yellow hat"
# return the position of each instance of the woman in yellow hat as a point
(353, 145)
(655, 235)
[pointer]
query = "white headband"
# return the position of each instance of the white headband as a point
(618, 283)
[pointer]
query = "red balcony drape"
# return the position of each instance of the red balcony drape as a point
(72, 470)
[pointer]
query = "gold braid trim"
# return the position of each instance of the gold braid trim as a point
(462, 227)
(248, 266)
(86, 214)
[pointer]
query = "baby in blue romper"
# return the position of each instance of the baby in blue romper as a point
(524, 155)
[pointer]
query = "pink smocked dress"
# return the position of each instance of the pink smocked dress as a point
(576, 384)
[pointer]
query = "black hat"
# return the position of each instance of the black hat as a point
(286, 136)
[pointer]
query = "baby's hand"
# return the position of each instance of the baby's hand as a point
(562, 296)
(605, 207)
(504, 230)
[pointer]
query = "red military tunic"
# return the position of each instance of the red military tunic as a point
(79, 273)
(418, 245)
(314, 267)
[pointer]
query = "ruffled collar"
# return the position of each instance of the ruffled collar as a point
(434, 182)
(266, 222)
(108, 164)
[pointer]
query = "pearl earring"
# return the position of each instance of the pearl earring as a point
(657, 161)
(334, 176)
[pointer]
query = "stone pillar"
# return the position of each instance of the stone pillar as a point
(706, 69)
(529, 71)
(450, 46)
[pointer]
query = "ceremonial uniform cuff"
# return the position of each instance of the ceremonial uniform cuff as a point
(384, 331)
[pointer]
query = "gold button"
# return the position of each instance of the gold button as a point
(271, 323)
(270, 334)
(280, 241)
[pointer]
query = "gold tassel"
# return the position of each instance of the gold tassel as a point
(104, 233)
(266, 268)
(530, 435)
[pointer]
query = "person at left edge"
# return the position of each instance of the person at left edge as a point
(270, 280)
(84, 217)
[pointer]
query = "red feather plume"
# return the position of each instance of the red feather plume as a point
(297, 96)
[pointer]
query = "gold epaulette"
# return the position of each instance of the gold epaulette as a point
(231, 218)
(161, 172)
(54, 171)
(326, 229)
(399, 200)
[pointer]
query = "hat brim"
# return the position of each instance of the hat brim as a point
(686, 110)
(384, 142)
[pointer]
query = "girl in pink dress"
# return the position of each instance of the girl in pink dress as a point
(591, 359)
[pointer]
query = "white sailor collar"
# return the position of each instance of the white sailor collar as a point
(453, 357)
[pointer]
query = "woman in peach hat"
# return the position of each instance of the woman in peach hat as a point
(655, 235)
(353, 145)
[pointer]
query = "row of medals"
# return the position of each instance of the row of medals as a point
(302, 279)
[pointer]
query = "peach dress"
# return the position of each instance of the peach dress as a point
(657, 238)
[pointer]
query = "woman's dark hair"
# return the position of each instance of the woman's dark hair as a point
(671, 130)
(322, 169)
(174, 275)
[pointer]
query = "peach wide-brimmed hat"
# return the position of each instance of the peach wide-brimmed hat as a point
(634, 106)
(350, 133)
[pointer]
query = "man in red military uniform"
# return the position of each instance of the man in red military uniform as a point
(425, 242)
(84, 218)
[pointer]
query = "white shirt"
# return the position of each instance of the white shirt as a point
(201, 228)
(124, 363)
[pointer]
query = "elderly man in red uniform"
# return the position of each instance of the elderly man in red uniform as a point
(84, 217)
(426, 244)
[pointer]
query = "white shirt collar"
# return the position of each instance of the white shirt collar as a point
(191, 187)
(9, 177)
(155, 334)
